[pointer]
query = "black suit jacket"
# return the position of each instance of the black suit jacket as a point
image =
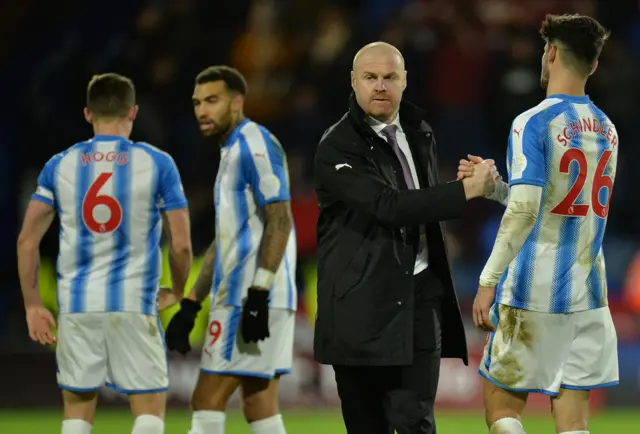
(368, 238)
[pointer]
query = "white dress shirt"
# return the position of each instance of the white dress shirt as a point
(422, 260)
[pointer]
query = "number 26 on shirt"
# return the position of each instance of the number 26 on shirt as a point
(568, 206)
(92, 199)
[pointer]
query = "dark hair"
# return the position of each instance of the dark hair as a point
(110, 95)
(581, 35)
(233, 79)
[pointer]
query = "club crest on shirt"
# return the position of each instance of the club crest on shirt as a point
(518, 165)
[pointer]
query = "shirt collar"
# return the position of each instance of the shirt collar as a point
(108, 138)
(235, 133)
(378, 126)
(571, 98)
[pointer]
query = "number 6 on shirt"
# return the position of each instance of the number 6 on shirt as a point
(92, 199)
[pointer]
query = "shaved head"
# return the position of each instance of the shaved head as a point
(377, 51)
(378, 79)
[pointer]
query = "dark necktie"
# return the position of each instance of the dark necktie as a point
(390, 133)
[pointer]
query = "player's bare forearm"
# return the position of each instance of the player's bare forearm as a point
(178, 229)
(37, 220)
(517, 223)
(28, 269)
(276, 235)
(180, 265)
(202, 287)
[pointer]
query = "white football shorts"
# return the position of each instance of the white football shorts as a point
(225, 353)
(539, 352)
(125, 350)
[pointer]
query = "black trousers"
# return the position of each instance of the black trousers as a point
(381, 399)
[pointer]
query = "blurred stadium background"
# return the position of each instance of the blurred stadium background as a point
(474, 64)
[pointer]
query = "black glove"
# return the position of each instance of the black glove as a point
(177, 334)
(255, 316)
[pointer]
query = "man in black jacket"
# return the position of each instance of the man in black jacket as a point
(387, 310)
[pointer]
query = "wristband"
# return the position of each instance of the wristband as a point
(263, 278)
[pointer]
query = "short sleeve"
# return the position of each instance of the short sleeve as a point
(170, 189)
(45, 192)
(526, 153)
(265, 168)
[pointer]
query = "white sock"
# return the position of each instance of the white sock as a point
(507, 425)
(270, 425)
(207, 422)
(575, 432)
(76, 426)
(148, 424)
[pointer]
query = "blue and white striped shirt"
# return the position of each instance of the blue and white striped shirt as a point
(253, 173)
(109, 193)
(569, 147)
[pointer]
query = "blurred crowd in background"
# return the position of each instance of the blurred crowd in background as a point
(472, 64)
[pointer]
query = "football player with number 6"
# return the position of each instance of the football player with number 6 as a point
(111, 196)
(543, 291)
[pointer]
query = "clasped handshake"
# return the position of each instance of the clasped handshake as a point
(479, 177)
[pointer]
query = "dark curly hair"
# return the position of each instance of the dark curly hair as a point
(581, 36)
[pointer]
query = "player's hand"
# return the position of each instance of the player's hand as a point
(255, 316)
(494, 170)
(482, 308)
(482, 180)
(465, 168)
(40, 322)
(166, 298)
(180, 326)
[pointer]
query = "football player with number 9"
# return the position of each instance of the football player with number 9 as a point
(249, 269)
(543, 291)
(111, 196)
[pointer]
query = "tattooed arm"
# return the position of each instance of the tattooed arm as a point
(265, 168)
(274, 242)
(202, 287)
(517, 223)
(37, 221)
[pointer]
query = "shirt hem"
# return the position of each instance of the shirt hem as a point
(42, 199)
(172, 207)
(546, 309)
(534, 182)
